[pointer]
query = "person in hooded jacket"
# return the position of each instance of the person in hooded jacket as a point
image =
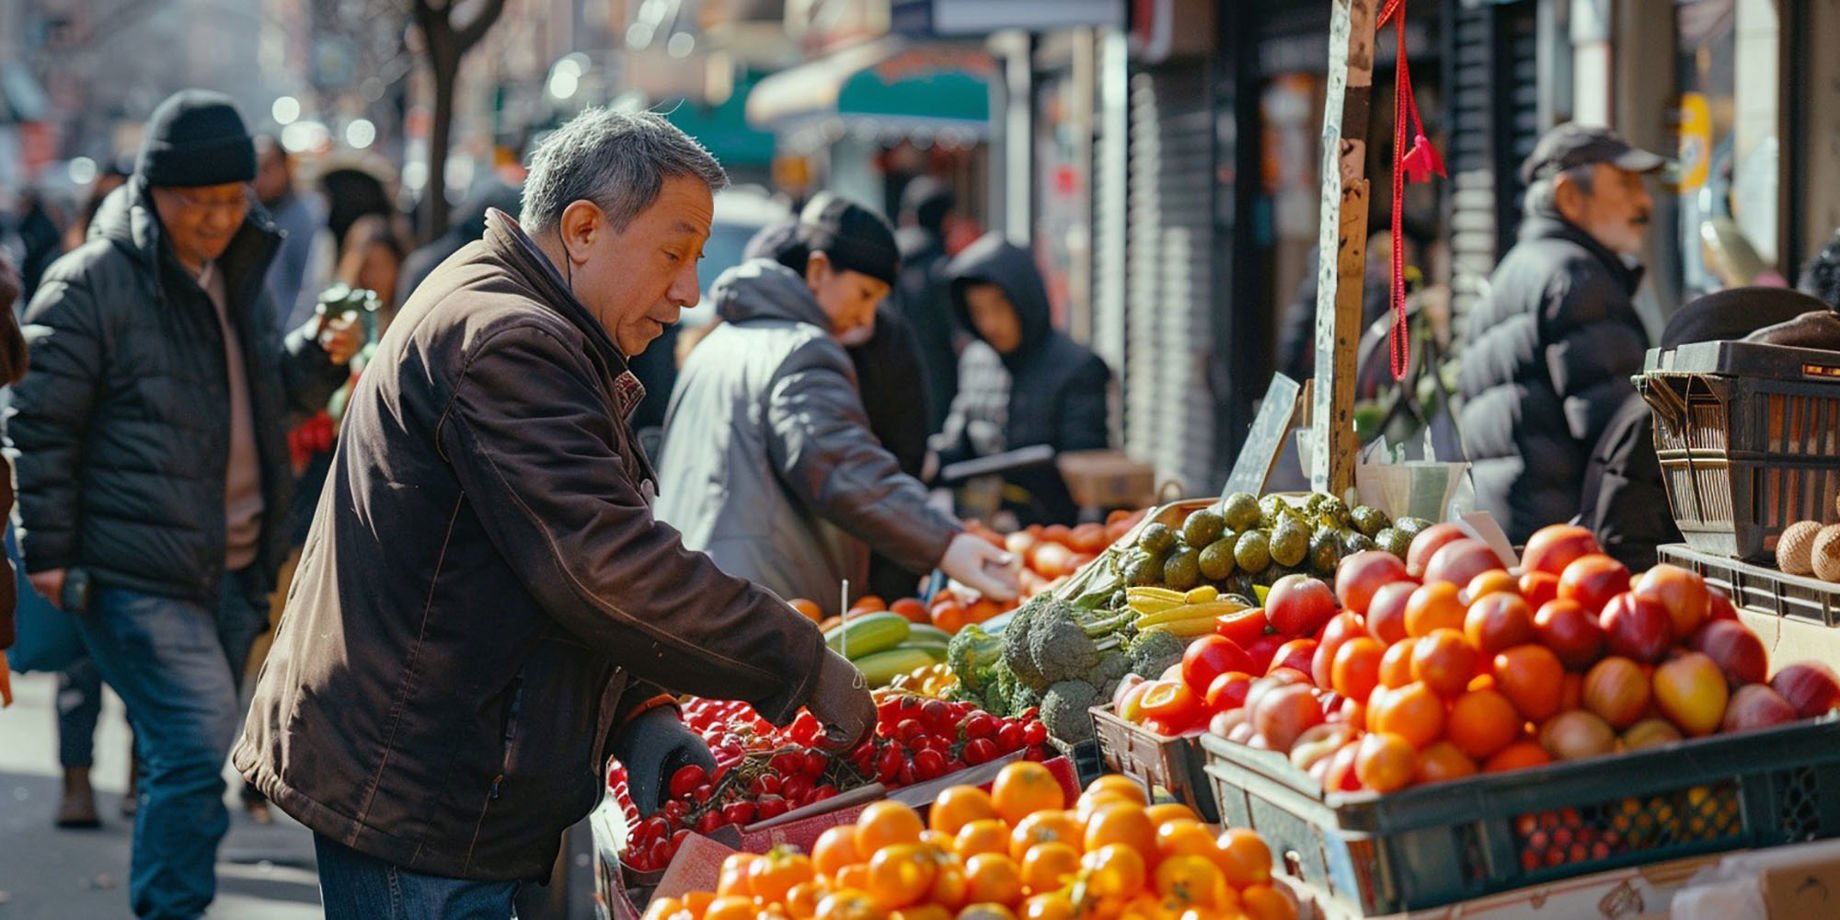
(769, 464)
(1022, 382)
(1548, 353)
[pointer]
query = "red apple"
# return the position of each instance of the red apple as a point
(1576, 735)
(1737, 651)
(1650, 732)
(1318, 744)
(1593, 581)
(1426, 545)
(1386, 614)
(1683, 593)
(1618, 691)
(1340, 775)
(1498, 621)
(1281, 677)
(1459, 561)
(1636, 627)
(1361, 575)
(1551, 549)
(1209, 657)
(1228, 691)
(1297, 654)
(1809, 686)
(1571, 631)
(1718, 606)
(1285, 713)
(1342, 627)
(1223, 723)
(1690, 690)
(1539, 587)
(1299, 605)
(1263, 650)
(1756, 706)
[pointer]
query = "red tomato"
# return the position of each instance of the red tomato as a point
(1228, 691)
(1209, 657)
(1130, 703)
(1244, 628)
(1171, 703)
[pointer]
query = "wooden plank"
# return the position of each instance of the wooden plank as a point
(1265, 442)
(1344, 232)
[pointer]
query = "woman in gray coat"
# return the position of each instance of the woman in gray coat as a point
(768, 464)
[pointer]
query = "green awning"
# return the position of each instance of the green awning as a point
(887, 85)
(724, 128)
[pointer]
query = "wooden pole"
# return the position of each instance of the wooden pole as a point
(1343, 240)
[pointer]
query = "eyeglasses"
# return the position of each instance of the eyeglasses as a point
(234, 206)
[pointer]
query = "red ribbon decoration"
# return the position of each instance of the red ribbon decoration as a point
(1417, 165)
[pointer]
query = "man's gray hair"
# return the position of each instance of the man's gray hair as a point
(1543, 195)
(617, 160)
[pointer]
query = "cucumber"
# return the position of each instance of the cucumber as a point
(919, 632)
(880, 668)
(868, 634)
(935, 649)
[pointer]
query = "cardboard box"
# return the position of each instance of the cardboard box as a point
(1107, 479)
(1791, 639)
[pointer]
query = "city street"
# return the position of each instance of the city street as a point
(263, 872)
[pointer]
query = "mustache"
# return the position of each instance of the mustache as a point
(1642, 219)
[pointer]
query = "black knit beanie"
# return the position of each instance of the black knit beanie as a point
(196, 138)
(853, 237)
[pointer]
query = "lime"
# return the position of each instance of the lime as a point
(1353, 541)
(1252, 552)
(1182, 570)
(1411, 526)
(1394, 541)
(1332, 508)
(1156, 539)
(1241, 511)
(1217, 558)
(1203, 527)
(1290, 543)
(1142, 569)
(1369, 520)
(1273, 508)
(1325, 553)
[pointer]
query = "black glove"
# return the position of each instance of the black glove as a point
(652, 747)
(840, 700)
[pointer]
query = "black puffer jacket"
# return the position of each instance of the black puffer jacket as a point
(924, 295)
(1546, 363)
(122, 426)
(768, 464)
(1051, 390)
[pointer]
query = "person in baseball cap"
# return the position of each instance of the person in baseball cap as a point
(1592, 178)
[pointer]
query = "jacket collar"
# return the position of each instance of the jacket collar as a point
(1539, 226)
(509, 241)
(765, 289)
(129, 219)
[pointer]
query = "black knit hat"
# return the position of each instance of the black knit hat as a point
(196, 138)
(853, 237)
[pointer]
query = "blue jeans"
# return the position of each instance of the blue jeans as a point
(354, 886)
(79, 706)
(177, 666)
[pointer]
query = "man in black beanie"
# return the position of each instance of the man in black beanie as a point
(153, 464)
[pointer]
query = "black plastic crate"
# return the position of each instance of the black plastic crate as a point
(1747, 435)
(1759, 587)
(1434, 845)
(1173, 765)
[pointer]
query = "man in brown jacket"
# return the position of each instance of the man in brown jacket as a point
(485, 609)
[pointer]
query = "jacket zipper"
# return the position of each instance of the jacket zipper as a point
(508, 735)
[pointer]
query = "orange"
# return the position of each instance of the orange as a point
(949, 616)
(987, 836)
(773, 876)
(1051, 906)
(730, 907)
(1023, 788)
(696, 902)
(802, 901)
(835, 849)
(1442, 762)
(1118, 784)
(1185, 838)
(1385, 762)
(959, 806)
(848, 904)
(1167, 812)
(1482, 722)
(949, 880)
(1490, 582)
(900, 875)
(1263, 902)
(1048, 866)
(912, 609)
(1444, 661)
(992, 878)
(1434, 606)
(1046, 827)
(1520, 754)
(921, 912)
(1396, 665)
(734, 878)
(1355, 671)
(853, 877)
(982, 609)
(1121, 824)
(1532, 678)
(1245, 859)
(885, 824)
(1091, 802)
(1412, 712)
(1190, 881)
(868, 603)
(989, 910)
(663, 909)
(809, 608)
(1114, 871)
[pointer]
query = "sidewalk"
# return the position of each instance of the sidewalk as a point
(263, 872)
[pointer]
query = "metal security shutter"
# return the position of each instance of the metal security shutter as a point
(1111, 164)
(1169, 415)
(1493, 73)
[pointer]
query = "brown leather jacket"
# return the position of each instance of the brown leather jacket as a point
(484, 581)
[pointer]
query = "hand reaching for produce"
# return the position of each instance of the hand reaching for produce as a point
(840, 700)
(654, 746)
(975, 563)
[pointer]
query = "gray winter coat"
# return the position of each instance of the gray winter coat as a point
(768, 464)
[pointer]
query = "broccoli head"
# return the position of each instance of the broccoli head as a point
(1023, 699)
(1061, 648)
(1113, 665)
(973, 655)
(1154, 652)
(1016, 642)
(1064, 710)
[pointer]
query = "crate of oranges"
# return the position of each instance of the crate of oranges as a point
(1171, 764)
(1020, 850)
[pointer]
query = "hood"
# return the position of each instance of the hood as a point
(765, 289)
(917, 244)
(1550, 226)
(995, 260)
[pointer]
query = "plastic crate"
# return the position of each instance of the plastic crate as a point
(1760, 587)
(1747, 436)
(1435, 845)
(1173, 765)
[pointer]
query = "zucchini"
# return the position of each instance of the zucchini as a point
(920, 632)
(881, 668)
(868, 634)
(935, 649)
